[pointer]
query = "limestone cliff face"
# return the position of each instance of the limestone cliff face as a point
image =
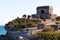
(16, 35)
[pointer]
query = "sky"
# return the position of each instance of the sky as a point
(11, 9)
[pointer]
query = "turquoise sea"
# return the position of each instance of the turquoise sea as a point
(2, 30)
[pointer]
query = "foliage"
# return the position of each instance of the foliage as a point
(58, 18)
(24, 16)
(18, 27)
(47, 35)
(48, 28)
(24, 22)
(29, 16)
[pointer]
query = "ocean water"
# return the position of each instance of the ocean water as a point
(2, 30)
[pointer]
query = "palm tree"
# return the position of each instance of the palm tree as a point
(24, 17)
(58, 18)
(29, 16)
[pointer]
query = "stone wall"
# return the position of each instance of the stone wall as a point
(44, 12)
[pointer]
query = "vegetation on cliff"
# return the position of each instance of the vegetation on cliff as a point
(23, 22)
(47, 36)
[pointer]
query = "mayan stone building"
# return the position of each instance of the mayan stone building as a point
(44, 12)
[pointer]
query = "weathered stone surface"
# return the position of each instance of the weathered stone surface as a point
(40, 26)
(55, 26)
(44, 12)
(16, 34)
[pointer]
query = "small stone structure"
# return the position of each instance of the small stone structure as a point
(40, 26)
(55, 26)
(44, 12)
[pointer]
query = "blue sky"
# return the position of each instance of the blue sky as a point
(10, 9)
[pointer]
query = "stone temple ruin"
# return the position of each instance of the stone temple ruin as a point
(44, 12)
